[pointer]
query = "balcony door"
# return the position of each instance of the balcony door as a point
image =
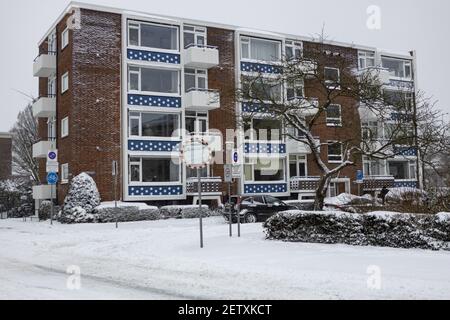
(197, 122)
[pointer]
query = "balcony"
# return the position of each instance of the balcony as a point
(376, 183)
(45, 107)
(382, 74)
(202, 100)
(44, 65)
(201, 57)
(41, 148)
(304, 184)
(210, 186)
(42, 192)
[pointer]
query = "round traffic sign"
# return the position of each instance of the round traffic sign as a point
(52, 155)
(52, 178)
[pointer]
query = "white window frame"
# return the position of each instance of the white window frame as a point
(199, 115)
(130, 117)
(65, 82)
(364, 56)
(132, 24)
(141, 183)
(334, 122)
(177, 94)
(198, 73)
(197, 32)
(405, 63)
(248, 40)
(51, 129)
(65, 173)
(298, 86)
(51, 87)
(334, 155)
(330, 83)
(299, 159)
(251, 162)
(65, 127)
(64, 38)
(254, 135)
(52, 43)
(295, 45)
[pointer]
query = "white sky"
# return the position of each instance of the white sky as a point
(405, 25)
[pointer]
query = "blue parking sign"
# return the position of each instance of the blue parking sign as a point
(359, 175)
(52, 178)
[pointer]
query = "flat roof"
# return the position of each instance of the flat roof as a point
(5, 135)
(75, 4)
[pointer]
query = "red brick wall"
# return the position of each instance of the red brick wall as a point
(5, 158)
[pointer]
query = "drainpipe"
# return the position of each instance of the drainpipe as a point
(419, 168)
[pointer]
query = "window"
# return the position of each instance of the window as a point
(52, 43)
(334, 152)
(260, 170)
(51, 129)
(263, 130)
(261, 89)
(260, 49)
(196, 122)
(64, 173)
(297, 166)
(65, 127)
(399, 169)
(145, 124)
(51, 87)
(154, 170)
(194, 36)
(397, 67)
(366, 59)
(192, 173)
(152, 35)
(65, 38)
(295, 90)
(370, 130)
(373, 167)
(65, 82)
(399, 99)
(332, 76)
(334, 117)
(195, 79)
(294, 50)
(153, 80)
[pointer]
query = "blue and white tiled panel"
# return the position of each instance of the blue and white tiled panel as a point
(401, 84)
(155, 191)
(153, 146)
(405, 184)
(142, 55)
(260, 68)
(272, 148)
(254, 107)
(265, 188)
(154, 101)
(396, 116)
(406, 151)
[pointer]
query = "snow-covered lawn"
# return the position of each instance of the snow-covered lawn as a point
(162, 260)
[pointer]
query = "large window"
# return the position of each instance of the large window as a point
(370, 131)
(154, 80)
(261, 89)
(397, 67)
(144, 124)
(154, 170)
(195, 79)
(399, 99)
(152, 35)
(374, 167)
(263, 170)
(263, 129)
(366, 59)
(260, 49)
(194, 35)
(334, 117)
(402, 170)
(334, 152)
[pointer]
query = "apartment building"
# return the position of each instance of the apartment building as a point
(116, 85)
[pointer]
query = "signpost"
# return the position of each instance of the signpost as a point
(359, 180)
(52, 180)
(52, 176)
(228, 178)
(196, 154)
(237, 172)
(114, 174)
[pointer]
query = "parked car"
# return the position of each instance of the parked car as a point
(255, 208)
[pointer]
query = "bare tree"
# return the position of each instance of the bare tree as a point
(24, 135)
(306, 77)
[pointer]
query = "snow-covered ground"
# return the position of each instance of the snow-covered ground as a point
(162, 260)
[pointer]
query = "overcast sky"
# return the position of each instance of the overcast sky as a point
(405, 25)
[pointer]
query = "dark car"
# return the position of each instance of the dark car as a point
(255, 208)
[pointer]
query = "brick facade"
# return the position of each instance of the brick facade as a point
(6, 156)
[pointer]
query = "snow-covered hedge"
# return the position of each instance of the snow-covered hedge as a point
(385, 229)
(185, 212)
(81, 200)
(107, 212)
(16, 198)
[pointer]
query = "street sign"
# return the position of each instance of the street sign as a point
(237, 171)
(359, 176)
(228, 173)
(52, 167)
(236, 158)
(52, 178)
(52, 156)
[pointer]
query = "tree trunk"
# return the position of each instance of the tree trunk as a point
(321, 193)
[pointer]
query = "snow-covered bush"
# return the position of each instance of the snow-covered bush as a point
(16, 198)
(385, 229)
(45, 210)
(83, 194)
(107, 212)
(76, 215)
(184, 212)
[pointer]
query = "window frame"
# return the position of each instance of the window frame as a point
(132, 24)
(365, 55)
(331, 83)
(140, 164)
(405, 63)
(64, 127)
(197, 32)
(64, 171)
(332, 158)
(156, 93)
(65, 38)
(295, 45)
(65, 82)
(298, 159)
(248, 40)
(331, 122)
(198, 73)
(133, 117)
(254, 136)
(251, 162)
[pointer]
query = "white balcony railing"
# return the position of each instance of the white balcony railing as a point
(202, 99)
(379, 73)
(201, 57)
(41, 148)
(44, 65)
(45, 107)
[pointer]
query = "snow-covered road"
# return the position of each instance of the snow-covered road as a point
(162, 260)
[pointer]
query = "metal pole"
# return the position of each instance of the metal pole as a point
(229, 208)
(52, 208)
(200, 205)
(239, 218)
(115, 200)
